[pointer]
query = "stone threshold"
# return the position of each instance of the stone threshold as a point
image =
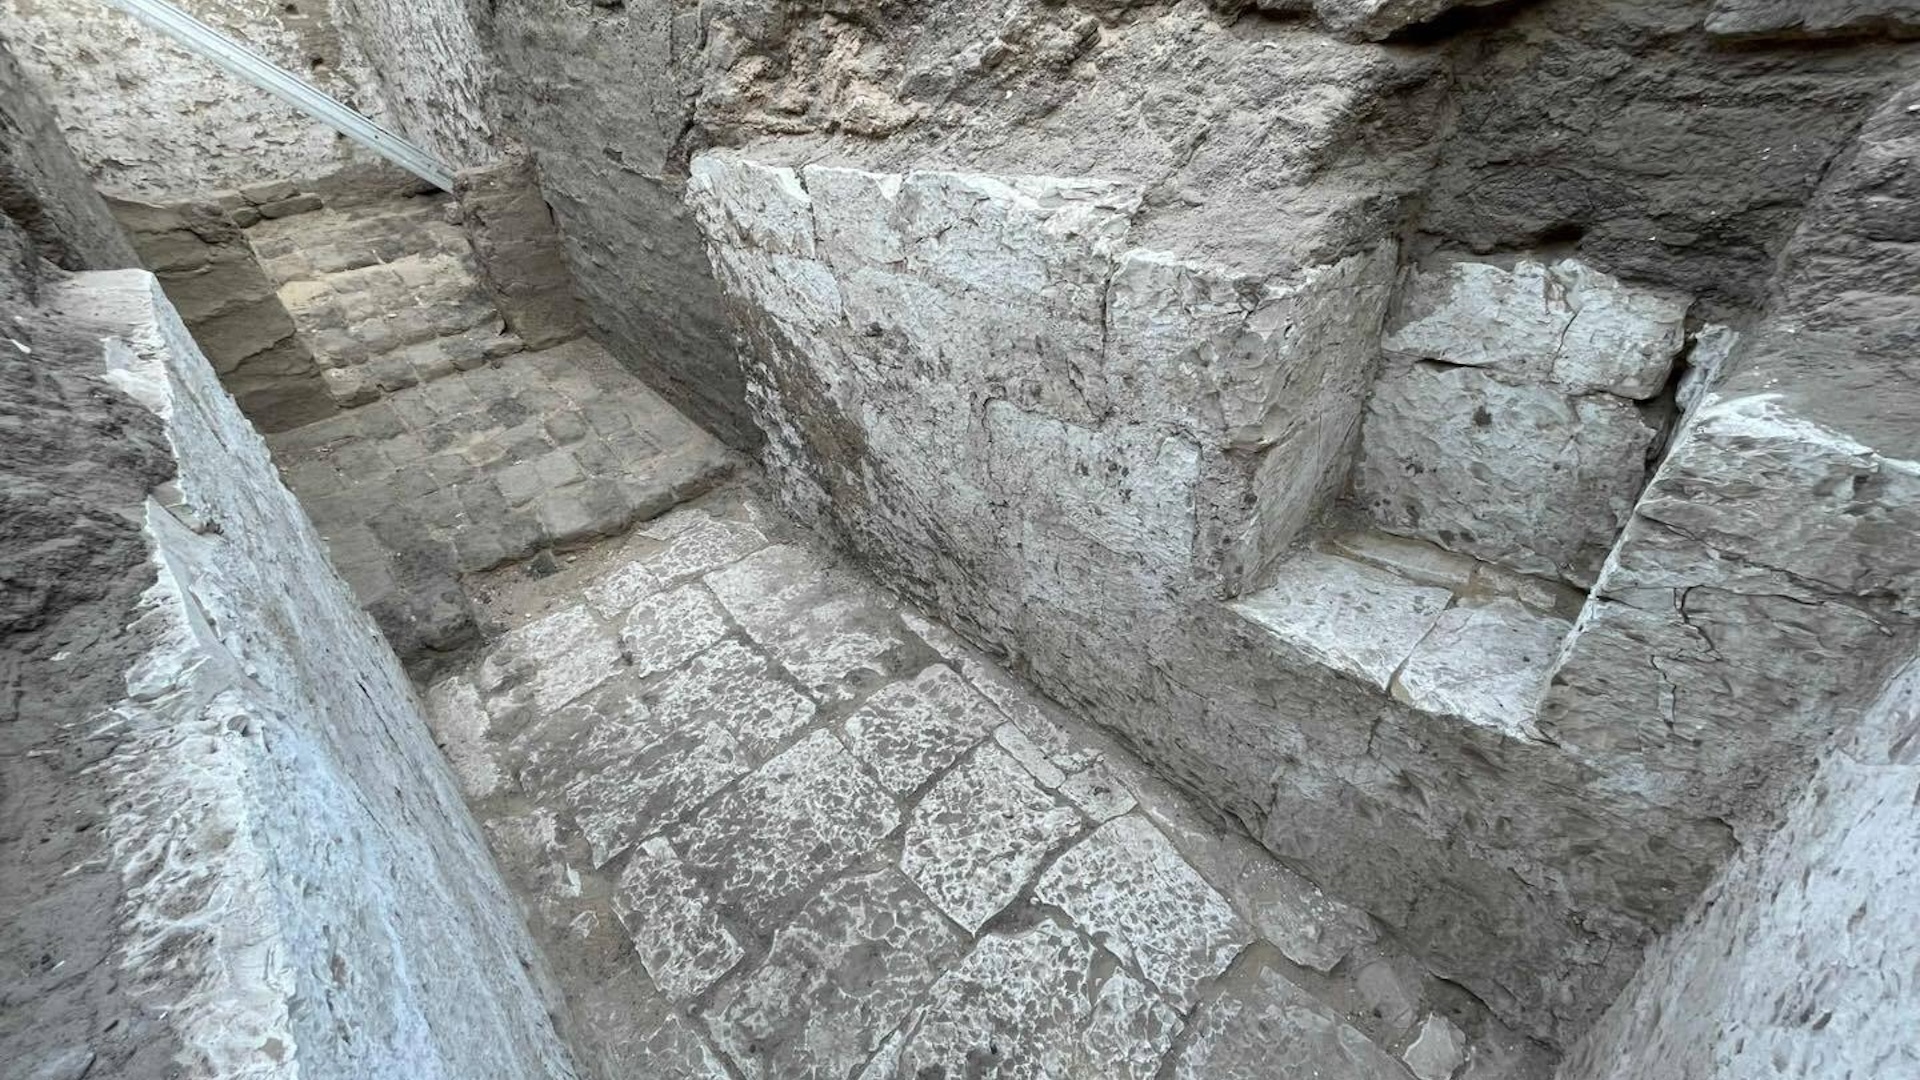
(1442, 633)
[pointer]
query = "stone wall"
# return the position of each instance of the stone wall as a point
(223, 295)
(305, 893)
(1798, 961)
(518, 250)
(152, 121)
(425, 58)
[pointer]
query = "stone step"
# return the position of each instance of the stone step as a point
(416, 363)
(1438, 632)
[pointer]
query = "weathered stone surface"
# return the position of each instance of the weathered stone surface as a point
(617, 801)
(1813, 18)
(911, 730)
(667, 629)
(1438, 1051)
(557, 658)
(1797, 961)
(1356, 619)
(459, 723)
(1523, 476)
(1264, 1025)
(741, 690)
(674, 928)
(821, 624)
(846, 969)
(1375, 19)
(1486, 663)
(518, 249)
(1127, 884)
(978, 837)
(804, 816)
(1032, 1005)
(1567, 324)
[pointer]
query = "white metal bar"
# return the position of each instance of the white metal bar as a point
(243, 62)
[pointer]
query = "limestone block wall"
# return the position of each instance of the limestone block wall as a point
(304, 891)
(1798, 960)
(152, 121)
(224, 297)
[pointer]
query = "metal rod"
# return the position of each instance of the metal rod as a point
(243, 62)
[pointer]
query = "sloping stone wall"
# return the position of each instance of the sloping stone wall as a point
(305, 893)
(1798, 961)
(152, 121)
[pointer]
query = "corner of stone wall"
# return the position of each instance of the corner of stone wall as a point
(517, 246)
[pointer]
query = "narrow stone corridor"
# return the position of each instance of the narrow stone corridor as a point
(766, 819)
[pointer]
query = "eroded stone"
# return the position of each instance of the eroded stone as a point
(1356, 619)
(979, 835)
(1486, 663)
(908, 731)
(679, 937)
(1265, 1026)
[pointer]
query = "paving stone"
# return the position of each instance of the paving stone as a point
(1130, 887)
(909, 730)
(620, 801)
(850, 965)
(1098, 792)
(978, 836)
(1028, 753)
(1356, 619)
(614, 592)
(698, 543)
(807, 815)
(1040, 1003)
(1486, 663)
(565, 427)
(825, 626)
(669, 628)
(736, 687)
(349, 386)
(558, 657)
(613, 722)
(675, 929)
(1265, 1026)
(581, 511)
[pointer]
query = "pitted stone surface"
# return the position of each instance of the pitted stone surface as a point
(680, 939)
(980, 835)
(672, 628)
(1134, 892)
(806, 815)
(911, 730)
(1517, 474)
(851, 964)
(929, 871)
(1040, 1003)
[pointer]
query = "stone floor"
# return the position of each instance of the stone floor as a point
(531, 452)
(385, 293)
(770, 822)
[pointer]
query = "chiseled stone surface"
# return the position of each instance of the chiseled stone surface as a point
(913, 868)
(1521, 475)
(1813, 18)
(1486, 663)
(1566, 324)
(1356, 619)
(1130, 887)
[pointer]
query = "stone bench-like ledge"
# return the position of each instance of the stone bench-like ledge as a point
(1439, 632)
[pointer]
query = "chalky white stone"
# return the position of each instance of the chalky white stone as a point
(1438, 1050)
(696, 543)
(618, 801)
(459, 723)
(1486, 663)
(734, 686)
(824, 625)
(1357, 619)
(559, 657)
(1127, 885)
(980, 834)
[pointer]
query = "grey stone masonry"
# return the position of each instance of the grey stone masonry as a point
(771, 823)
(385, 294)
(486, 466)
